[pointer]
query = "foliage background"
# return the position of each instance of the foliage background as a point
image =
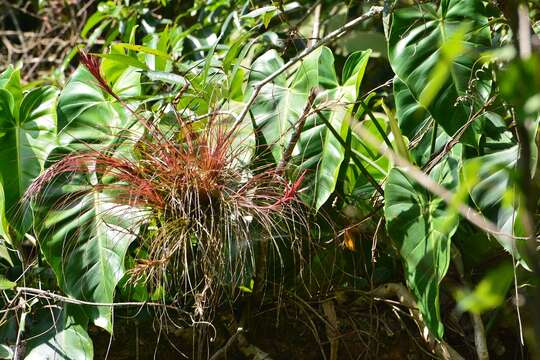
(402, 142)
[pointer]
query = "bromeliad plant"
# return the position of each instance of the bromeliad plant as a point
(187, 196)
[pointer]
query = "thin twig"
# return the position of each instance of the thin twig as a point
(316, 25)
(480, 342)
(431, 185)
(456, 138)
(222, 353)
(50, 295)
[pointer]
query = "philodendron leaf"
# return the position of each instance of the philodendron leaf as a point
(412, 117)
(84, 236)
(6, 284)
(425, 136)
(421, 226)
(5, 352)
(491, 181)
(436, 48)
(318, 149)
(88, 118)
(81, 231)
(281, 102)
(27, 133)
(58, 334)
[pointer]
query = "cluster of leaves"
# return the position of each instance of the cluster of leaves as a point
(177, 153)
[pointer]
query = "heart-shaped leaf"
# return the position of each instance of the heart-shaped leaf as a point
(281, 102)
(27, 134)
(59, 334)
(421, 226)
(436, 48)
(84, 237)
(319, 149)
(82, 233)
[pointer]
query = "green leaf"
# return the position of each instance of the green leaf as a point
(411, 116)
(125, 60)
(357, 185)
(92, 22)
(5, 352)
(146, 50)
(281, 102)
(27, 133)
(490, 291)
(59, 334)
(6, 284)
(421, 226)
(491, 182)
(87, 116)
(10, 81)
(166, 77)
(4, 225)
(82, 234)
(417, 125)
(319, 149)
(428, 48)
(84, 237)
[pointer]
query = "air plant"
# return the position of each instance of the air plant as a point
(204, 208)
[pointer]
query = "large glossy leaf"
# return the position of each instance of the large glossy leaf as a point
(422, 42)
(82, 233)
(417, 125)
(318, 149)
(421, 226)
(88, 118)
(490, 180)
(84, 236)
(281, 102)
(59, 334)
(412, 117)
(357, 184)
(27, 134)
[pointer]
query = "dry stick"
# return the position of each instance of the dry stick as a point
(56, 297)
(222, 353)
(373, 11)
(316, 25)
(431, 185)
(332, 331)
(480, 337)
(480, 342)
(456, 138)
